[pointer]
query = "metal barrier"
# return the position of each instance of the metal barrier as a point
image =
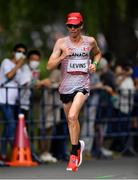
(45, 111)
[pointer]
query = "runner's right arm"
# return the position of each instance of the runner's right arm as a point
(58, 54)
(55, 58)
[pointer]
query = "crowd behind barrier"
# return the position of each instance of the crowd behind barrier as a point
(102, 120)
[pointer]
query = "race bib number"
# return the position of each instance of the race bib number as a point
(77, 66)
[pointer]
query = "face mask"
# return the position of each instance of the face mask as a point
(19, 55)
(34, 64)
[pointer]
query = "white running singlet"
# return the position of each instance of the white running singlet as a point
(74, 68)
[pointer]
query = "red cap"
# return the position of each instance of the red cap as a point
(74, 18)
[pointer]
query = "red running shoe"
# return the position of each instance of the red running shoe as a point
(80, 151)
(73, 163)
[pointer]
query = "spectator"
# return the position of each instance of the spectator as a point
(9, 73)
(87, 129)
(30, 78)
(124, 104)
(103, 112)
(135, 115)
(54, 121)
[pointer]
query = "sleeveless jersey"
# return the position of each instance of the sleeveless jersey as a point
(74, 68)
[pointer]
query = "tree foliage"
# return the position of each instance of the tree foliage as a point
(34, 22)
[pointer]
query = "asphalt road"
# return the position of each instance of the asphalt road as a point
(119, 168)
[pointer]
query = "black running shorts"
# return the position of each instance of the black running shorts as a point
(66, 98)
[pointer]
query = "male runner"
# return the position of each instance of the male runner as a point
(73, 53)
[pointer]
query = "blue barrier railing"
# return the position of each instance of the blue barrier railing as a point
(45, 111)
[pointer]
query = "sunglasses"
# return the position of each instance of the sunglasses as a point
(75, 26)
(21, 52)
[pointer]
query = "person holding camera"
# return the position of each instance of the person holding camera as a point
(9, 73)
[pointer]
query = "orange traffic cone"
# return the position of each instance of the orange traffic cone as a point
(21, 155)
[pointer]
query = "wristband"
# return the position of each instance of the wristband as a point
(95, 63)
